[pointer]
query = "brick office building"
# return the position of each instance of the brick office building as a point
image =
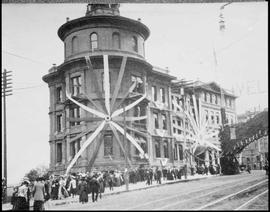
(102, 31)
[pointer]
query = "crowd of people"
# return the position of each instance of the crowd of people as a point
(57, 187)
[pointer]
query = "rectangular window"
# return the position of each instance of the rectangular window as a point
(75, 147)
(59, 95)
(174, 130)
(154, 93)
(206, 115)
(59, 152)
(59, 122)
(156, 120)
(164, 122)
(166, 149)
(180, 152)
(175, 152)
(75, 112)
(217, 117)
(76, 85)
(162, 95)
(108, 145)
(212, 118)
(157, 148)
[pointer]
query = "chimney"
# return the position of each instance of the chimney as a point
(67, 19)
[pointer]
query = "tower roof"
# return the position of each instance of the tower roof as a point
(103, 15)
(102, 9)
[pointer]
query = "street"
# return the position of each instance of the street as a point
(243, 191)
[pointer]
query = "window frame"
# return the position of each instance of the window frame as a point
(164, 121)
(59, 94)
(59, 122)
(92, 41)
(134, 46)
(162, 94)
(154, 93)
(74, 44)
(157, 147)
(155, 115)
(59, 149)
(114, 42)
(166, 148)
(78, 86)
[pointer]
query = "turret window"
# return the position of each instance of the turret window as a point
(93, 41)
(134, 44)
(116, 40)
(75, 44)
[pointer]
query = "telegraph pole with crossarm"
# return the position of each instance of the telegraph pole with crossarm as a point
(6, 91)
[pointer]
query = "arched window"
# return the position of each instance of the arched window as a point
(75, 44)
(134, 44)
(93, 41)
(116, 40)
(208, 97)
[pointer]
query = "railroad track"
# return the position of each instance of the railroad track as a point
(259, 189)
(182, 200)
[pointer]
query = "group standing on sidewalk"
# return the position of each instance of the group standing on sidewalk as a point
(83, 184)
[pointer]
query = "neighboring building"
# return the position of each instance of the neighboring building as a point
(103, 31)
(208, 101)
(256, 153)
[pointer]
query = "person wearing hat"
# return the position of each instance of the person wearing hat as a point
(39, 194)
(94, 188)
(72, 186)
(83, 191)
(23, 197)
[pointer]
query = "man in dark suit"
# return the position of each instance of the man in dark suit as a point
(94, 188)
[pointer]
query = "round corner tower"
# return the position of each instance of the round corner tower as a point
(102, 31)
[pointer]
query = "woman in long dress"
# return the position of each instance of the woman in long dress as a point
(83, 191)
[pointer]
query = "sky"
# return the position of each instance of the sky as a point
(183, 38)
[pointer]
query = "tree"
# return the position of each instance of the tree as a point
(40, 171)
(230, 148)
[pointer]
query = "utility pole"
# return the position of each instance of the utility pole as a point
(126, 149)
(6, 91)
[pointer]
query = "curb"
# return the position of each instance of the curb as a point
(137, 189)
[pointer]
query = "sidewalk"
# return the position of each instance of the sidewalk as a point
(121, 189)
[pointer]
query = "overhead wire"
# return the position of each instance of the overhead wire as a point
(25, 58)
